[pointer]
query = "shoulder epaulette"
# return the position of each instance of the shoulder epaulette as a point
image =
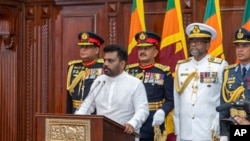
(100, 61)
(183, 61)
(129, 66)
(215, 60)
(231, 66)
(162, 67)
(74, 62)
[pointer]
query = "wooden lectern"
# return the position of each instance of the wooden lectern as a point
(69, 127)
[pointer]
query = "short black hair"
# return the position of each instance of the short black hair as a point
(121, 51)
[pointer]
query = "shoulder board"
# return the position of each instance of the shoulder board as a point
(100, 61)
(183, 61)
(162, 67)
(74, 62)
(231, 66)
(129, 66)
(215, 60)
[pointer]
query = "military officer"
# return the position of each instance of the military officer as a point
(81, 73)
(236, 83)
(158, 82)
(197, 87)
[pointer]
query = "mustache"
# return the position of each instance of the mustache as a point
(191, 49)
(142, 54)
(105, 67)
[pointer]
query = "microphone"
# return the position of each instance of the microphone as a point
(97, 83)
(93, 92)
(96, 93)
(103, 82)
(94, 87)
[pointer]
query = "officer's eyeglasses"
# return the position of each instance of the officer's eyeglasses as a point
(197, 41)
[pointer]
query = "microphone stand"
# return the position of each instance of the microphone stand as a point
(91, 93)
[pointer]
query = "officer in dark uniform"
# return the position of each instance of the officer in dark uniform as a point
(81, 73)
(158, 82)
(236, 83)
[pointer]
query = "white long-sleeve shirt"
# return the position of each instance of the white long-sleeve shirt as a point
(122, 99)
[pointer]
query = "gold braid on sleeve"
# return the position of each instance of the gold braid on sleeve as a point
(234, 95)
(179, 88)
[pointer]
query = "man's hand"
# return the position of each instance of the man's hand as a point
(158, 118)
(241, 121)
(128, 128)
(223, 138)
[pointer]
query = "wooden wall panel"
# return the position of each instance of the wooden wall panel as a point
(8, 97)
(8, 75)
(68, 23)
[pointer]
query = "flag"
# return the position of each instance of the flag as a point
(173, 48)
(137, 24)
(173, 45)
(246, 17)
(212, 18)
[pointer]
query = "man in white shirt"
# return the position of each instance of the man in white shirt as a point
(116, 94)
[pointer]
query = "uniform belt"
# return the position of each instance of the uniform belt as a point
(237, 112)
(77, 103)
(153, 106)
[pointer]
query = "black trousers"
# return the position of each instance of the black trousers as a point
(147, 139)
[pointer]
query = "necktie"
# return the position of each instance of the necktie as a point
(244, 71)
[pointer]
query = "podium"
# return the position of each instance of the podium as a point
(69, 127)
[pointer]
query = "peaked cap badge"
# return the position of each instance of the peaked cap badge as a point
(85, 36)
(240, 34)
(143, 36)
(196, 29)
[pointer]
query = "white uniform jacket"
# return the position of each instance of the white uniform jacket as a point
(196, 102)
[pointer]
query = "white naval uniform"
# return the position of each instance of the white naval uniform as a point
(195, 106)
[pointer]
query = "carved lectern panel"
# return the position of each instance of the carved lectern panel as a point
(67, 129)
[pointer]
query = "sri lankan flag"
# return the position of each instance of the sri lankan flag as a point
(137, 24)
(173, 44)
(212, 17)
(246, 17)
(172, 48)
